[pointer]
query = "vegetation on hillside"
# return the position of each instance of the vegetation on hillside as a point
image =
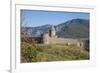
(32, 52)
(75, 28)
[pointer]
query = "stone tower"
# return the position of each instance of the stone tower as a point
(46, 38)
(51, 34)
(52, 31)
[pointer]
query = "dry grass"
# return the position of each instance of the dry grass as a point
(58, 52)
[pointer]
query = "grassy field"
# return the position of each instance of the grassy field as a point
(31, 52)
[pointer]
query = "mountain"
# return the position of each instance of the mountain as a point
(35, 31)
(75, 28)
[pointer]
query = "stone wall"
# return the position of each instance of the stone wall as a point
(61, 41)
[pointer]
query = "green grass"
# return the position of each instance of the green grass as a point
(52, 52)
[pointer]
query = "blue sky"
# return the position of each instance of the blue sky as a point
(32, 18)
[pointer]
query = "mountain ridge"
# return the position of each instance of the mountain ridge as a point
(75, 28)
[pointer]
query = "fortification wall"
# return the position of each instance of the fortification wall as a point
(68, 41)
(54, 40)
(62, 41)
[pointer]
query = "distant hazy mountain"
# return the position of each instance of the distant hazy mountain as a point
(35, 31)
(75, 28)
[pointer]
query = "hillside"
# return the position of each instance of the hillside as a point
(76, 28)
